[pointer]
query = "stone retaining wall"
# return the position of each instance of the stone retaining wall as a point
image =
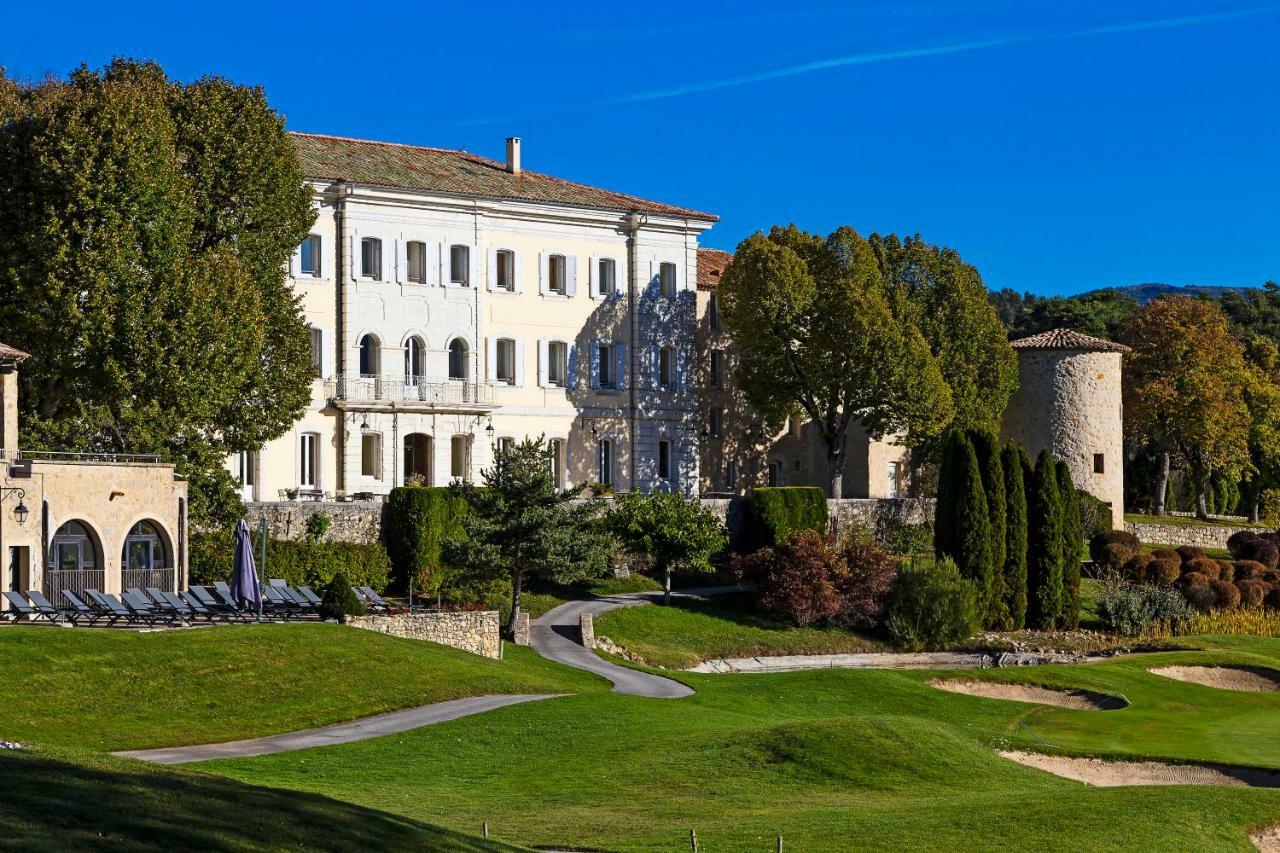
(1199, 535)
(350, 521)
(474, 631)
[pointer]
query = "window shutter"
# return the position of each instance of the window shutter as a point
(355, 255)
(620, 365)
(402, 261)
(295, 262)
(519, 270)
(620, 283)
(319, 260)
(493, 268)
(326, 353)
(543, 352)
(491, 359)
(571, 275)
(544, 272)
(595, 363)
(571, 366)
(386, 260)
(593, 274)
(473, 266)
(656, 365)
(655, 286)
(443, 249)
(519, 362)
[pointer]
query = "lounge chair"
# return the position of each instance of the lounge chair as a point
(137, 601)
(112, 607)
(46, 608)
(224, 592)
(298, 598)
(18, 606)
(215, 604)
(280, 603)
(80, 610)
(169, 601)
(197, 607)
(309, 595)
(378, 602)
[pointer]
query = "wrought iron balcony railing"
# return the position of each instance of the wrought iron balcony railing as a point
(430, 392)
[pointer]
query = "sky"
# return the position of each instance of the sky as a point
(1059, 145)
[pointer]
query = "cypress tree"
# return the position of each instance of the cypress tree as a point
(1072, 547)
(1044, 546)
(988, 452)
(950, 472)
(1015, 551)
(973, 529)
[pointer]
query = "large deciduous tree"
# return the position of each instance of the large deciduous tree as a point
(1262, 397)
(145, 227)
(815, 331)
(1184, 390)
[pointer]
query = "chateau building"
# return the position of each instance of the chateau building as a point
(457, 303)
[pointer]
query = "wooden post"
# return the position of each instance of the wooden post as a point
(779, 844)
(485, 826)
(693, 841)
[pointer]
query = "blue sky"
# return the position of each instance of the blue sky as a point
(1059, 145)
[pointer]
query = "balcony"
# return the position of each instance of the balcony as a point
(420, 393)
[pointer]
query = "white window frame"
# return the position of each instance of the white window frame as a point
(713, 313)
(317, 350)
(371, 455)
(665, 460)
(605, 278)
(558, 274)
(375, 256)
(314, 242)
(715, 421)
(504, 267)
(559, 448)
(557, 364)
(309, 461)
(505, 355)
(460, 457)
(604, 461)
(605, 367)
(415, 261)
(668, 279)
(459, 278)
(466, 360)
(665, 369)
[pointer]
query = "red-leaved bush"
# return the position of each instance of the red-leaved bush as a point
(1253, 593)
(1227, 594)
(862, 590)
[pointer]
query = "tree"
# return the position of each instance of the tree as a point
(522, 526)
(1013, 459)
(934, 290)
(145, 228)
(987, 450)
(1099, 313)
(1262, 398)
(815, 331)
(1072, 546)
(672, 531)
(1184, 390)
(946, 538)
(971, 548)
(1044, 545)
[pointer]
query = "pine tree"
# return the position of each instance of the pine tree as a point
(988, 452)
(950, 474)
(1015, 552)
(1072, 546)
(1044, 546)
(973, 528)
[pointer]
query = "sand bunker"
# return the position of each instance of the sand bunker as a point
(1110, 774)
(1078, 700)
(1267, 840)
(1254, 679)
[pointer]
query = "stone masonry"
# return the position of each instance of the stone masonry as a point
(351, 521)
(1199, 535)
(474, 631)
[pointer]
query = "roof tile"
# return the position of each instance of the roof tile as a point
(711, 265)
(1067, 339)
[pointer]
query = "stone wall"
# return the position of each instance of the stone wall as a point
(474, 631)
(350, 521)
(1199, 535)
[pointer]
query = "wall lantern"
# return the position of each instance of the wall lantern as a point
(20, 512)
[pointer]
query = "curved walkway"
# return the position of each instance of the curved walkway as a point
(349, 732)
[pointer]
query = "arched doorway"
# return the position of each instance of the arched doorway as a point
(145, 559)
(418, 458)
(74, 561)
(371, 367)
(414, 360)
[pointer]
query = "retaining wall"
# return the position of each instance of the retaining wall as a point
(474, 631)
(1199, 535)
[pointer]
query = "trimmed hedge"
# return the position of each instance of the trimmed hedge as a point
(419, 518)
(777, 512)
(212, 558)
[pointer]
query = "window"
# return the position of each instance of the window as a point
(414, 360)
(309, 260)
(730, 475)
(713, 313)
(892, 484)
(604, 360)
(605, 461)
(664, 460)
(1099, 463)
(557, 359)
(460, 265)
(371, 258)
(317, 351)
(505, 372)
(717, 368)
(666, 368)
(371, 455)
(775, 472)
(506, 444)
(460, 457)
(416, 256)
(606, 277)
(143, 548)
(458, 359)
(505, 270)
(557, 275)
(667, 279)
(72, 549)
(715, 421)
(369, 356)
(557, 461)
(247, 472)
(309, 460)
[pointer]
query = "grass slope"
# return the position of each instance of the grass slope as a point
(693, 630)
(831, 760)
(106, 690)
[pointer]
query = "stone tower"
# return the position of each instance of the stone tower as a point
(1068, 400)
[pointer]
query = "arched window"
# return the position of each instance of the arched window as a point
(73, 549)
(143, 548)
(369, 356)
(458, 359)
(414, 360)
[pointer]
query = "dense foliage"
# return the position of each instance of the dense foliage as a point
(670, 531)
(339, 600)
(1044, 545)
(932, 608)
(418, 520)
(1072, 547)
(1014, 571)
(1136, 610)
(212, 557)
(777, 512)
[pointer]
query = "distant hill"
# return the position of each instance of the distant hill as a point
(1144, 293)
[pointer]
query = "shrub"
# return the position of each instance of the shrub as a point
(1239, 542)
(796, 580)
(1014, 583)
(1266, 552)
(932, 608)
(778, 512)
(1044, 545)
(869, 574)
(1095, 518)
(1162, 572)
(212, 556)
(1114, 556)
(1191, 579)
(418, 520)
(339, 600)
(1273, 598)
(1226, 570)
(1135, 568)
(1253, 593)
(1135, 610)
(1204, 566)
(1228, 597)
(1271, 576)
(1099, 541)
(1249, 570)
(318, 525)
(1252, 623)
(1167, 554)
(1189, 553)
(990, 463)
(1200, 596)
(1072, 547)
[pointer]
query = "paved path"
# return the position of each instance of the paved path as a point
(557, 636)
(355, 730)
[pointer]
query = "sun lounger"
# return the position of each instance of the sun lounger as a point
(214, 603)
(309, 595)
(111, 606)
(299, 599)
(137, 601)
(198, 608)
(18, 606)
(169, 601)
(46, 608)
(281, 604)
(81, 609)
(378, 602)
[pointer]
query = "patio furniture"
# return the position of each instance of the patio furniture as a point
(79, 609)
(19, 607)
(215, 604)
(46, 608)
(376, 600)
(111, 606)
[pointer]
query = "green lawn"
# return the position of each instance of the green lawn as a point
(1214, 553)
(693, 630)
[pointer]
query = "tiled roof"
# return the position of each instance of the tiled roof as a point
(441, 170)
(1067, 339)
(711, 265)
(8, 353)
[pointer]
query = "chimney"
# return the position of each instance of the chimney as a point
(513, 155)
(9, 410)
